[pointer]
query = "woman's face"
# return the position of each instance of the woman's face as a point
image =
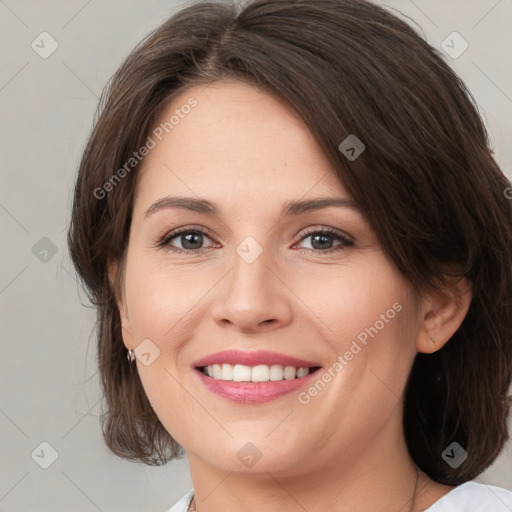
(259, 277)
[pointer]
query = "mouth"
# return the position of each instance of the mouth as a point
(255, 374)
(254, 384)
(254, 377)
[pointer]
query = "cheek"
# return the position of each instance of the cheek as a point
(359, 300)
(158, 303)
(159, 298)
(369, 319)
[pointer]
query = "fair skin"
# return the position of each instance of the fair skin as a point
(245, 151)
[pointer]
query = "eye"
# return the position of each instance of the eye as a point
(189, 239)
(321, 240)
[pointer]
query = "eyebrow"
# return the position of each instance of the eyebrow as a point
(289, 208)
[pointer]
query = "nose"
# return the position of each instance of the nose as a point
(254, 296)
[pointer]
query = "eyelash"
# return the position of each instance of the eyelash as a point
(346, 242)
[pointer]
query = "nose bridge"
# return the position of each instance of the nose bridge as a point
(251, 271)
(253, 296)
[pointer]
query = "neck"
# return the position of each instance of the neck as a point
(379, 475)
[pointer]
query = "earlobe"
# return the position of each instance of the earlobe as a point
(443, 313)
(123, 313)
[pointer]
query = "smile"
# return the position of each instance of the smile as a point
(251, 392)
(259, 373)
(254, 377)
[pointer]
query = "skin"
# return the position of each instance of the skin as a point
(244, 150)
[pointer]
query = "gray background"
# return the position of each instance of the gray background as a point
(49, 381)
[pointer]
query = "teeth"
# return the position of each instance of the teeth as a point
(241, 373)
(259, 373)
(302, 372)
(276, 372)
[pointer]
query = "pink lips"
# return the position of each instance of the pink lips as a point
(253, 392)
(253, 359)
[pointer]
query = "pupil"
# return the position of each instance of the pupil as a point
(188, 238)
(316, 237)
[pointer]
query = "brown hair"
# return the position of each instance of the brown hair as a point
(427, 182)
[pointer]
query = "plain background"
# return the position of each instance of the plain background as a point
(49, 383)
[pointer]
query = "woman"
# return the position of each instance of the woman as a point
(299, 245)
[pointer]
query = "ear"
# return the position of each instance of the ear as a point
(442, 314)
(113, 270)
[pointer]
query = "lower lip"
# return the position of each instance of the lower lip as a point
(254, 392)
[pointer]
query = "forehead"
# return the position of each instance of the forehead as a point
(237, 141)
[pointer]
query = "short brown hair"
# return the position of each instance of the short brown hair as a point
(427, 182)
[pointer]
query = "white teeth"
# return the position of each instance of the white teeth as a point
(276, 372)
(259, 373)
(290, 372)
(302, 372)
(217, 371)
(241, 373)
(227, 372)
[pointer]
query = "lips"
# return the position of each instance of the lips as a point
(253, 392)
(253, 359)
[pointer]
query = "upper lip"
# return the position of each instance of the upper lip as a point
(253, 359)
